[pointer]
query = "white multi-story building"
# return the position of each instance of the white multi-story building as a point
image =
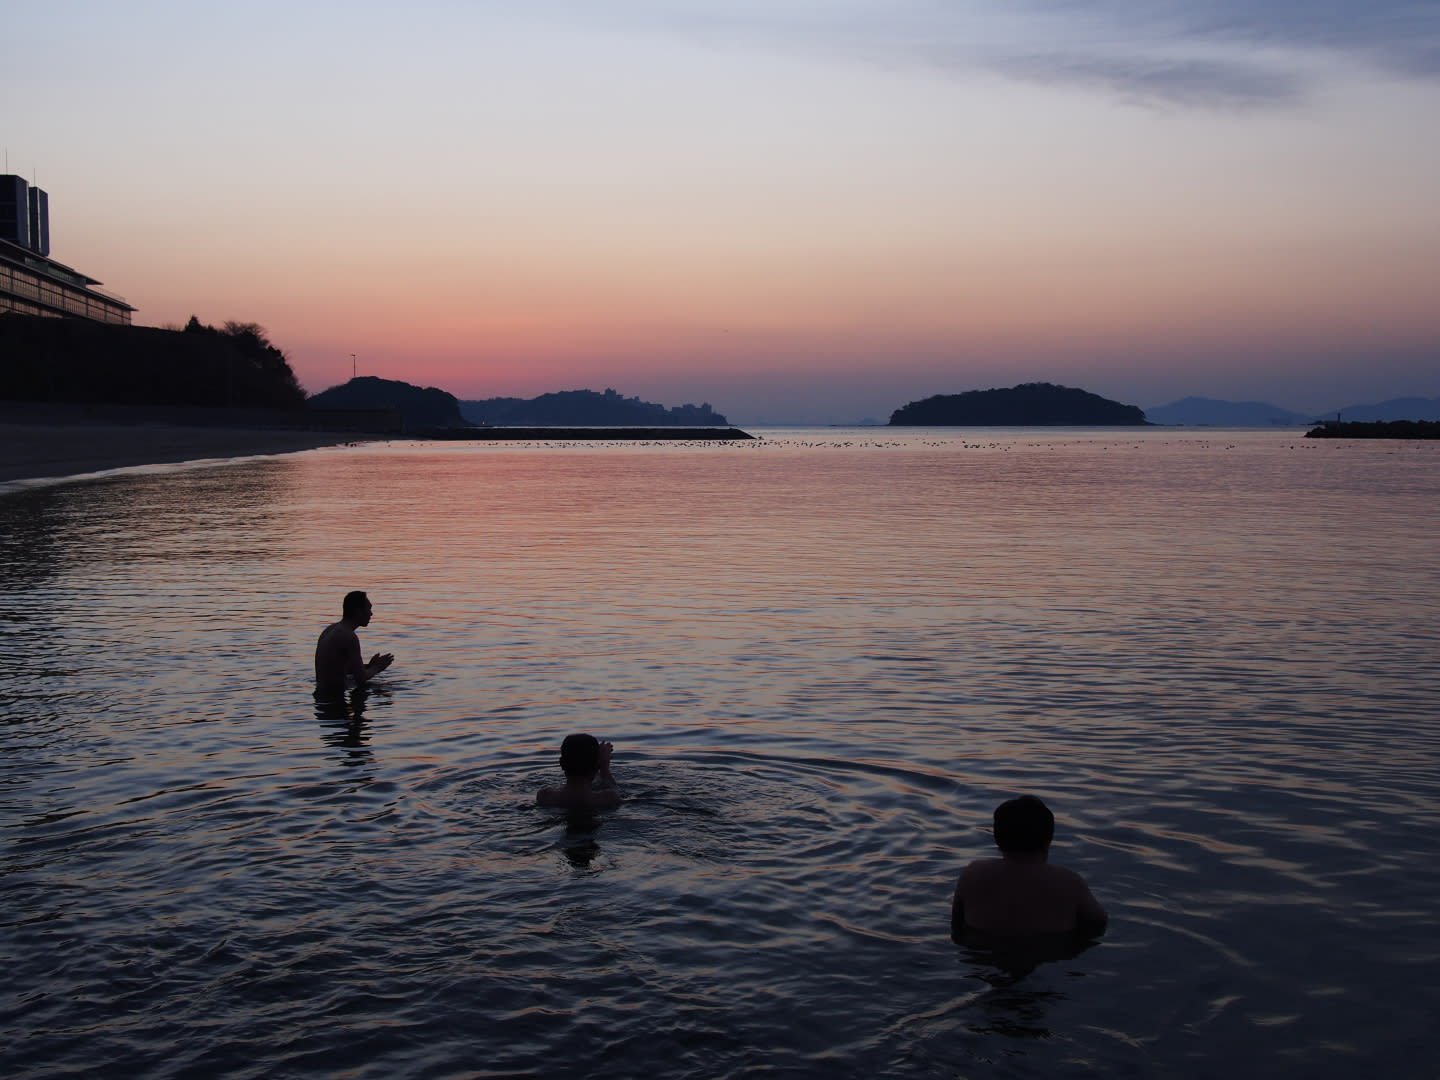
(32, 283)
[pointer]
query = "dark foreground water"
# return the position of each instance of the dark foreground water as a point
(823, 659)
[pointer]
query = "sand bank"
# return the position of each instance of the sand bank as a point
(32, 451)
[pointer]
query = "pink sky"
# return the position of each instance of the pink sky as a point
(796, 213)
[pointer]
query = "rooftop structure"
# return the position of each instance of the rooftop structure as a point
(31, 282)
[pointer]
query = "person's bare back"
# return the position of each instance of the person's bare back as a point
(1021, 896)
(1021, 893)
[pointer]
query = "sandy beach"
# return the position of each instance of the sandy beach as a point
(33, 451)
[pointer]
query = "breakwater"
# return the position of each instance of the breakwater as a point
(1379, 429)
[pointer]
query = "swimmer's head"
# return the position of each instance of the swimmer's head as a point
(580, 756)
(356, 605)
(1024, 825)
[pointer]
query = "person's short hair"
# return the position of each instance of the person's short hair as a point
(1023, 825)
(580, 756)
(354, 603)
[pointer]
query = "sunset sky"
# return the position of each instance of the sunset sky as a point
(795, 210)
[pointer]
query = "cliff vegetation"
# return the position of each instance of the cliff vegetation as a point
(76, 360)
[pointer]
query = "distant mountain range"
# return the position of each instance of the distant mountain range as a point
(1208, 412)
(1405, 408)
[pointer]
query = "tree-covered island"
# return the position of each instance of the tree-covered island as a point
(1026, 405)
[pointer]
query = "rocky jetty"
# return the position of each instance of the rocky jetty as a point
(1379, 429)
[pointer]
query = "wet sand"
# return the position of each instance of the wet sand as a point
(33, 451)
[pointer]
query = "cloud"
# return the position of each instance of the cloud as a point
(1399, 36)
(1223, 54)
(1153, 80)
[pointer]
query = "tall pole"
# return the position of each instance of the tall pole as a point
(352, 365)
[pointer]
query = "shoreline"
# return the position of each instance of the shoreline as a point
(58, 451)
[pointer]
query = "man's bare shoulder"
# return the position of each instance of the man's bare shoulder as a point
(1063, 876)
(339, 629)
(981, 870)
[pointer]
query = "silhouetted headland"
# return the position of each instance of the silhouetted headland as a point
(422, 407)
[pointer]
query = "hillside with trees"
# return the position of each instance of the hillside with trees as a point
(1026, 405)
(418, 406)
(76, 360)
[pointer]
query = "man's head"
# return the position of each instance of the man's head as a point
(356, 608)
(1023, 826)
(580, 756)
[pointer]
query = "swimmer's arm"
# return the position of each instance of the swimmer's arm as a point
(378, 663)
(957, 914)
(1090, 918)
(607, 779)
(361, 671)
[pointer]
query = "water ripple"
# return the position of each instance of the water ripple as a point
(823, 659)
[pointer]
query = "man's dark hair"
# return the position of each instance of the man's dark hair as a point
(1023, 825)
(353, 604)
(580, 756)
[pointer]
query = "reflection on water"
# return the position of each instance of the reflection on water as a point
(823, 659)
(1003, 962)
(580, 843)
(342, 722)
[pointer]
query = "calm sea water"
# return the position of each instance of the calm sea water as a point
(823, 658)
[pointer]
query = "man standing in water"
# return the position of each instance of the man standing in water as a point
(337, 653)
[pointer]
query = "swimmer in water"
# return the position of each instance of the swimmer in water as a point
(1021, 893)
(337, 653)
(583, 758)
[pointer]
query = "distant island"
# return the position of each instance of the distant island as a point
(418, 406)
(586, 408)
(574, 414)
(1375, 429)
(1026, 405)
